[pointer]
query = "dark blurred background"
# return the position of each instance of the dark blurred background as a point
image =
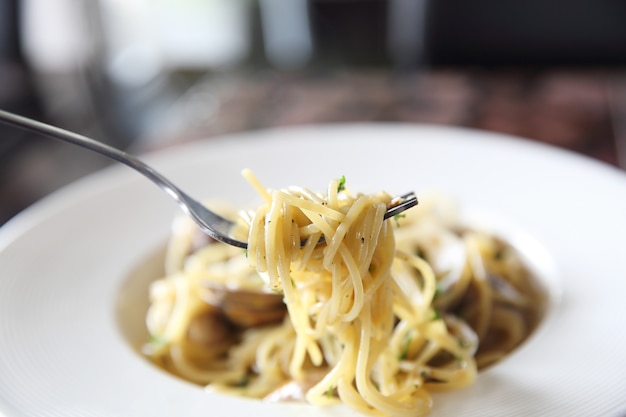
(147, 74)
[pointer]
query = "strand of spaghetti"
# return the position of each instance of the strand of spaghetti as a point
(252, 179)
(305, 193)
(351, 397)
(270, 350)
(274, 243)
(304, 331)
(278, 267)
(335, 298)
(189, 371)
(381, 305)
(309, 205)
(331, 195)
(429, 286)
(175, 329)
(363, 368)
(321, 322)
(354, 275)
(319, 222)
(452, 379)
(295, 241)
(403, 307)
(440, 341)
(308, 230)
(303, 305)
(438, 335)
(348, 391)
(372, 226)
(256, 247)
(403, 337)
(349, 219)
(378, 278)
(344, 368)
(332, 352)
(354, 269)
(380, 270)
(302, 337)
(306, 251)
(390, 360)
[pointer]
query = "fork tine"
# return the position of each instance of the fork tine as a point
(408, 200)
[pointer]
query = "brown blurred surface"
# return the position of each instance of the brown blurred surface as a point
(571, 109)
(579, 110)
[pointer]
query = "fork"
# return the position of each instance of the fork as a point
(211, 223)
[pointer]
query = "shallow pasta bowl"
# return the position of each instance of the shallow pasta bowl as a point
(73, 293)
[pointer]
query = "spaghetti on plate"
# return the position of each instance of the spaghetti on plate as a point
(331, 303)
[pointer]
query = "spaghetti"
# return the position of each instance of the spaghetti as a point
(376, 315)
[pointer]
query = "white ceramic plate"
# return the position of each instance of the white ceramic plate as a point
(74, 269)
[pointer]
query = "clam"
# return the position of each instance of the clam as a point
(212, 333)
(226, 314)
(245, 307)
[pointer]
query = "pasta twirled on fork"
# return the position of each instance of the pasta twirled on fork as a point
(377, 315)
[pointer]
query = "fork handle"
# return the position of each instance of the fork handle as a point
(93, 145)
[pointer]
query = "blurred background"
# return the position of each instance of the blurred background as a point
(143, 75)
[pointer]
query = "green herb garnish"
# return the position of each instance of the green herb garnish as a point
(156, 340)
(243, 382)
(342, 184)
(397, 218)
(406, 343)
(438, 290)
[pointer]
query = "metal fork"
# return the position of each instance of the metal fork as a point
(211, 223)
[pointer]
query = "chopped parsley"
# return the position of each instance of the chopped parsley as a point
(342, 184)
(438, 290)
(397, 218)
(408, 337)
(243, 382)
(156, 340)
